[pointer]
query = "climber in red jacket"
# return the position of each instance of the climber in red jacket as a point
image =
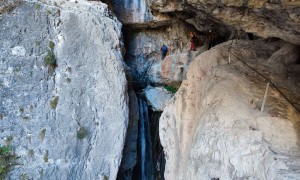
(193, 41)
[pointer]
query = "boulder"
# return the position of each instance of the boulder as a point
(263, 18)
(157, 97)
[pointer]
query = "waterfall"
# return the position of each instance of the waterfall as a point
(132, 10)
(145, 143)
(150, 157)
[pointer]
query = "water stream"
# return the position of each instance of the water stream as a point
(150, 157)
(145, 162)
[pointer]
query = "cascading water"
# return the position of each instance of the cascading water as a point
(145, 168)
(149, 150)
(151, 161)
(133, 11)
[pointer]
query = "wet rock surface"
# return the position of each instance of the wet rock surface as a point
(66, 120)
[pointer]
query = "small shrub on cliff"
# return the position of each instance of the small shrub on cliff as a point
(7, 160)
(81, 133)
(50, 58)
(54, 101)
(37, 6)
(171, 89)
(46, 156)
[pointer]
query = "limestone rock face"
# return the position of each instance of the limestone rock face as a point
(143, 50)
(67, 123)
(130, 12)
(261, 17)
(129, 158)
(213, 127)
(173, 69)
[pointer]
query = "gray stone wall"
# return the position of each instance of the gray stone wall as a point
(69, 122)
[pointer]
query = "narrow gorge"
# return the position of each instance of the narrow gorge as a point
(85, 93)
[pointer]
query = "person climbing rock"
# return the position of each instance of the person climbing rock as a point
(211, 39)
(193, 41)
(164, 50)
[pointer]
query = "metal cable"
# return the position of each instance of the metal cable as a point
(268, 80)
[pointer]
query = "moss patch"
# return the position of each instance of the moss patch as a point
(54, 102)
(37, 6)
(68, 80)
(21, 109)
(42, 135)
(30, 153)
(46, 156)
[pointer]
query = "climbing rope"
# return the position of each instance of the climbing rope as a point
(268, 80)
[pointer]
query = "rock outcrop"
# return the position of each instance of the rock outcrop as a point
(172, 70)
(261, 17)
(213, 127)
(66, 120)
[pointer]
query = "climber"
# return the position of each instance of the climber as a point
(164, 50)
(211, 39)
(193, 41)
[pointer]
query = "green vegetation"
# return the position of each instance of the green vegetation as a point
(171, 89)
(53, 102)
(50, 58)
(7, 160)
(49, 12)
(69, 69)
(37, 6)
(17, 69)
(26, 118)
(51, 45)
(46, 156)
(30, 153)
(37, 43)
(23, 176)
(21, 109)
(68, 80)
(8, 140)
(42, 134)
(81, 133)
